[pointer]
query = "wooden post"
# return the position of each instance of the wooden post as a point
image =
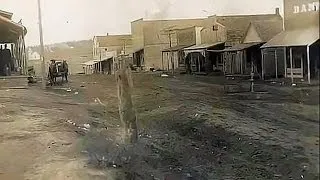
(285, 61)
(199, 65)
(191, 61)
(291, 65)
(262, 64)
(223, 65)
(126, 110)
(162, 61)
(276, 61)
(172, 62)
(308, 62)
(168, 61)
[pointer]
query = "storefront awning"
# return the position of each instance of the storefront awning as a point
(176, 48)
(201, 47)
(299, 37)
(89, 63)
(137, 50)
(10, 31)
(240, 47)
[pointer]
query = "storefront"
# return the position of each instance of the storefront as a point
(12, 45)
(298, 44)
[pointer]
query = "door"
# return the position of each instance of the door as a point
(297, 66)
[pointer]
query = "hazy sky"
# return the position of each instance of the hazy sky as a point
(65, 20)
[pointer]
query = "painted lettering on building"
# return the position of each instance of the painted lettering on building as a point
(303, 8)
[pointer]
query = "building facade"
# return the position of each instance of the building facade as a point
(150, 38)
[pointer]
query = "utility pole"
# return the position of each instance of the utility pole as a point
(41, 47)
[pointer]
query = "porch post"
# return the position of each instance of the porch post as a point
(308, 61)
(262, 64)
(285, 61)
(199, 63)
(276, 61)
(223, 66)
(191, 61)
(168, 60)
(291, 64)
(162, 60)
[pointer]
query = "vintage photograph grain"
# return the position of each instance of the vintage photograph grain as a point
(159, 89)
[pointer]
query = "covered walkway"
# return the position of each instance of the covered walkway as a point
(300, 51)
(13, 52)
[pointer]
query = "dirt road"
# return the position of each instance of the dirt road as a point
(35, 140)
(189, 129)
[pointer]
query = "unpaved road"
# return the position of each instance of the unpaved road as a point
(189, 129)
(35, 141)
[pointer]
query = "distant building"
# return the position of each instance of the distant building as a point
(105, 50)
(33, 55)
(111, 43)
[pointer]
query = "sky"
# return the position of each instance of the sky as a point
(69, 20)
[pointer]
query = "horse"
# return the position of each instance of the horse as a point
(58, 69)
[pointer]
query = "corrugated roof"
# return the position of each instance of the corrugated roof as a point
(243, 46)
(176, 48)
(298, 37)
(203, 46)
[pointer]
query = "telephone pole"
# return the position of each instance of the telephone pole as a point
(41, 47)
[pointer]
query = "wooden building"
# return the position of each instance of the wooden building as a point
(12, 36)
(298, 44)
(245, 35)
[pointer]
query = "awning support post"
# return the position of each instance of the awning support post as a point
(199, 63)
(262, 64)
(308, 61)
(276, 61)
(291, 65)
(285, 61)
(162, 60)
(168, 61)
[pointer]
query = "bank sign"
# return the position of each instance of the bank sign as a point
(305, 7)
(301, 13)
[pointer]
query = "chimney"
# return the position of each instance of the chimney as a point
(277, 11)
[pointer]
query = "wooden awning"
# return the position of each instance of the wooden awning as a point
(10, 31)
(176, 48)
(298, 37)
(240, 47)
(202, 47)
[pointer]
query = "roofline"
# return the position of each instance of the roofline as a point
(246, 15)
(6, 13)
(141, 19)
(178, 19)
(113, 35)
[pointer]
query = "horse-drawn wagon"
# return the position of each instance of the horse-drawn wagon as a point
(58, 68)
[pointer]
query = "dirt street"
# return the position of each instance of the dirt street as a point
(35, 141)
(189, 128)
